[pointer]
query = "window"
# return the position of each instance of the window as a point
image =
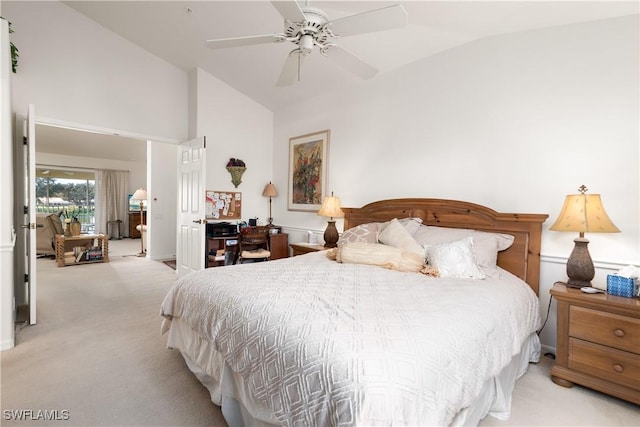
(67, 192)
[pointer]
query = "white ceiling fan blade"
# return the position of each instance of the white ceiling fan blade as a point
(289, 10)
(386, 18)
(243, 41)
(351, 62)
(290, 71)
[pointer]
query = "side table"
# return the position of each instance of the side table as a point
(95, 248)
(305, 248)
(598, 342)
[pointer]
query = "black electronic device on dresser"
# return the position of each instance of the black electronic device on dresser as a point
(221, 229)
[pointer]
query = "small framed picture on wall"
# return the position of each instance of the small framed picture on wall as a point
(308, 171)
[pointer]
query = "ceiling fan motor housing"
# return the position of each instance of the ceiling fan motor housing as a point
(312, 31)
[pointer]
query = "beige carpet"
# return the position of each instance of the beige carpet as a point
(97, 353)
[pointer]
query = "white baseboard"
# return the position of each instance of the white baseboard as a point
(7, 344)
(547, 349)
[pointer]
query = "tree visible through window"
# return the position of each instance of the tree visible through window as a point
(53, 195)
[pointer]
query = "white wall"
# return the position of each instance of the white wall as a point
(514, 122)
(75, 70)
(235, 126)
(162, 195)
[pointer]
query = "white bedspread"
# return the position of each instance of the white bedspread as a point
(322, 343)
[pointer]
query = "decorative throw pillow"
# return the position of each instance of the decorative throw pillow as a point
(55, 224)
(363, 233)
(454, 259)
(380, 255)
(410, 224)
(486, 245)
(397, 236)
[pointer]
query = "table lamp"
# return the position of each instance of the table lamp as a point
(331, 208)
(270, 191)
(583, 213)
(140, 195)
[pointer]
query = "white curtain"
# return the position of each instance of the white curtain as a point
(112, 199)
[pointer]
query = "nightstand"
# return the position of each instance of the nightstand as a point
(598, 342)
(305, 248)
(278, 245)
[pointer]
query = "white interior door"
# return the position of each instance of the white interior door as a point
(190, 251)
(25, 202)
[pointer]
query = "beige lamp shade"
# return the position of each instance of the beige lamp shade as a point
(331, 207)
(140, 194)
(269, 190)
(584, 213)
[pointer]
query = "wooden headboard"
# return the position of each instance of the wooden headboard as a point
(521, 259)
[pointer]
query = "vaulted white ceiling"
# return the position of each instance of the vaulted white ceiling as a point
(176, 31)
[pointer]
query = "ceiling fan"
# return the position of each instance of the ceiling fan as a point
(308, 27)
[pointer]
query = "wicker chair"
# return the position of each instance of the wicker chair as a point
(254, 244)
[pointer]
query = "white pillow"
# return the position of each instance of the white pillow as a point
(397, 236)
(454, 259)
(486, 245)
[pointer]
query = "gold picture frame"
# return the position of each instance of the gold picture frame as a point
(308, 171)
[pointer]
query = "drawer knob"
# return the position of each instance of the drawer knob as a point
(618, 368)
(619, 333)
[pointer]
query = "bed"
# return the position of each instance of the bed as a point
(308, 341)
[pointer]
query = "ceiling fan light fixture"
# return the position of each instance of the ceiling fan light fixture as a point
(306, 44)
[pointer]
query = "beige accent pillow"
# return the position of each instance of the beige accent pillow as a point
(396, 235)
(380, 255)
(363, 233)
(486, 245)
(454, 259)
(55, 224)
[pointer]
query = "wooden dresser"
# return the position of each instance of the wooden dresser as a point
(134, 220)
(598, 342)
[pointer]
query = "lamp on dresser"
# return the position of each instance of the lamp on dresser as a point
(583, 213)
(140, 195)
(270, 191)
(331, 208)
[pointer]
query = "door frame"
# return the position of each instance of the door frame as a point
(81, 127)
(48, 121)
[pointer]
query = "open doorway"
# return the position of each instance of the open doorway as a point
(68, 161)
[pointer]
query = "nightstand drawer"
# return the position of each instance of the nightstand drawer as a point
(604, 328)
(616, 366)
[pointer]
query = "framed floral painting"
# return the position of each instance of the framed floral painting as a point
(308, 167)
